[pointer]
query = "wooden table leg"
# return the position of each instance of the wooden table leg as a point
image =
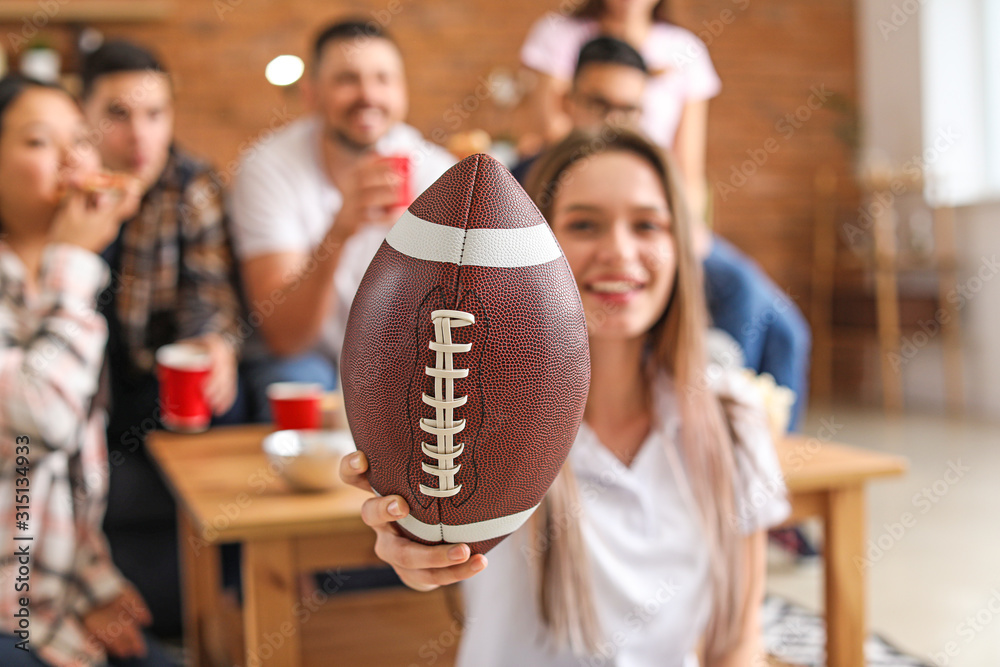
(845, 579)
(200, 580)
(272, 634)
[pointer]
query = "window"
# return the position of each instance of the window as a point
(960, 80)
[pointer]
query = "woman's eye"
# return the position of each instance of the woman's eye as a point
(650, 225)
(37, 142)
(581, 226)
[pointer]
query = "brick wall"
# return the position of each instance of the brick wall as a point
(774, 57)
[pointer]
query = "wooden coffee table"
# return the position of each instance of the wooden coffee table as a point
(226, 491)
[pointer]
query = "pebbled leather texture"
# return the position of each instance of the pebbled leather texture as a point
(529, 366)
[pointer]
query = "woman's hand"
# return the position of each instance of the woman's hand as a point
(117, 626)
(420, 567)
(91, 219)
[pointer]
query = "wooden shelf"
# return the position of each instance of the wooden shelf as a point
(90, 11)
(904, 262)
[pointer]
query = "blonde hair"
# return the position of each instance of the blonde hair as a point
(676, 346)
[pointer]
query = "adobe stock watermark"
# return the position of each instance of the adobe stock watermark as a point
(782, 303)
(898, 17)
(792, 633)
(593, 148)
(302, 611)
(259, 481)
(381, 18)
(969, 628)
(435, 648)
(459, 112)
(764, 490)
(590, 489)
(637, 618)
(31, 25)
(960, 296)
(911, 171)
(708, 32)
(923, 502)
(128, 617)
(208, 196)
(786, 127)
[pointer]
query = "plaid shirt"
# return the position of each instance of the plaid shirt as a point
(173, 267)
(51, 350)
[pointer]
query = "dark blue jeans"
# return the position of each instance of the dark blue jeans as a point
(15, 657)
(768, 326)
(258, 373)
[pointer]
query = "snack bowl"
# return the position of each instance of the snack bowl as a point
(309, 460)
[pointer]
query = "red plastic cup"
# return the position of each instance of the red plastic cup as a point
(182, 371)
(295, 405)
(401, 177)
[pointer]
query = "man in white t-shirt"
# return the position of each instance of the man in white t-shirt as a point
(312, 204)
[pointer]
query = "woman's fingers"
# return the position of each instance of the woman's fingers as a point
(136, 606)
(353, 469)
(429, 579)
(421, 567)
(424, 567)
(136, 643)
(125, 641)
(377, 512)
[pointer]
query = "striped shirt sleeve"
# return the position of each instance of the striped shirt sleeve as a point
(49, 376)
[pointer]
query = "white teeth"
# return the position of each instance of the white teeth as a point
(613, 286)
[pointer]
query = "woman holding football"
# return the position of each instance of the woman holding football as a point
(57, 210)
(649, 547)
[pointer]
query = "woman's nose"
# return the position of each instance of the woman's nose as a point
(620, 244)
(69, 161)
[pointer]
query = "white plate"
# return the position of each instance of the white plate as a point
(309, 460)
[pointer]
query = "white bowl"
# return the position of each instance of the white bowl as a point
(309, 460)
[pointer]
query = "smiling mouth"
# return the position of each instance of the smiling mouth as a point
(614, 286)
(367, 114)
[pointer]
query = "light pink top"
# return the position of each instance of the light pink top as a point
(678, 61)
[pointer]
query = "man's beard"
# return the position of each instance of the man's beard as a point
(343, 140)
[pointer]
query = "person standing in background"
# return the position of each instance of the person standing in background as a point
(681, 78)
(608, 87)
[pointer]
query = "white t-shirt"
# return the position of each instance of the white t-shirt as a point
(680, 68)
(648, 559)
(282, 201)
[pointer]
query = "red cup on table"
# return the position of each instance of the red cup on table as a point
(295, 405)
(182, 371)
(400, 164)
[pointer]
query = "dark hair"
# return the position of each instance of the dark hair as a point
(606, 50)
(13, 86)
(117, 56)
(594, 9)
(354, 28)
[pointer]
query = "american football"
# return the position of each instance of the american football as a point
(465, 365)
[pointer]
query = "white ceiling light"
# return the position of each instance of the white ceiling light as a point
(284, 70)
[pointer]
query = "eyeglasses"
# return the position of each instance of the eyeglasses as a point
(607, 110)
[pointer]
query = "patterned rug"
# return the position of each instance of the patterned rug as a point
(797, 636)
